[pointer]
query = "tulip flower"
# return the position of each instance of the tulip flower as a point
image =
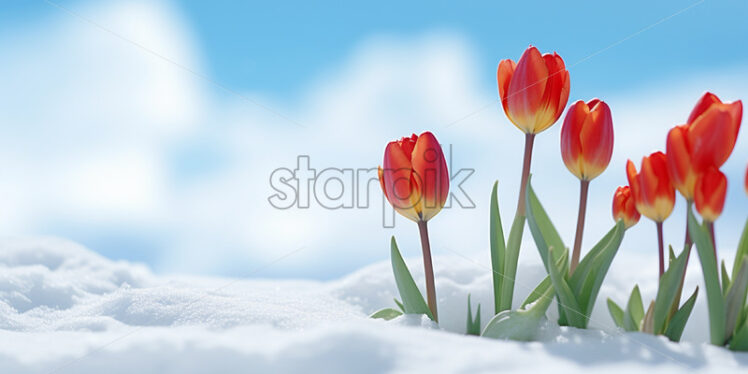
(624, 207)
(653, 193)
(713, 131)
(533, 93)
(415, 181)
(586, 147)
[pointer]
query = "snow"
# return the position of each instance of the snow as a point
(65, 309)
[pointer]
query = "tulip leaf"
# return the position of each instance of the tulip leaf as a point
(668, 289)
(735, 299)
(510, 261)
(399, 305)
(715, 300)
(386, 314)
(632, 317)
(498, 248)
(725, 279)
(473, 325)
(615, 312)
(739, 341)
(678, 322)
(601, 258)
(567, 300)
(742, 250)
(522, 324)
(648, 321)
(413, 302)
(587, 264)
(542, 229)
(539, 290)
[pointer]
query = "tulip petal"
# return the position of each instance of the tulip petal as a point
(712, 138)
(398, 181)
(704, 103)
(526, 89)
(430, 174)
(678, 151)
(504, 76)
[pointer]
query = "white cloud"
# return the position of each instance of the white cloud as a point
(91, 124)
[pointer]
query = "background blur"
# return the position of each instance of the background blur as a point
(147, 130)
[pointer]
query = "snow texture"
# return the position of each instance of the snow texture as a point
(64, 309)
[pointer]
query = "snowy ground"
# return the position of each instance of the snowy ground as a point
(64, 309)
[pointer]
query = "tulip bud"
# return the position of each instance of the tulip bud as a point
(587, 138)
(713, 131)
(533, 91)
(414, 178)
(624, 207)
(709, 196)
(653, 193)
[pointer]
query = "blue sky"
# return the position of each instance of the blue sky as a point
(153, 163)
(279, 47)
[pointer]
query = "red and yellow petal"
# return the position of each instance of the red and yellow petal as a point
(430, 172)
(710, 192)
(682, 173)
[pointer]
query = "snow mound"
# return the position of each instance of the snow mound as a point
(65, 309)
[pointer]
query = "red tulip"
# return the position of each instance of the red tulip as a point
(709, 197)
(680, 165)
(415, 179)
(624, 207)
(653, 193)
(587, 138)
(713, 131)
(534, 91)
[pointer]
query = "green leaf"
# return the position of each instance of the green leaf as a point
(725, 279)
(678, 322)
(648, 321)
(742, 250)
(399, 305)
(615, 312)
(539, 290)
(586, 264)
(413, 302)
(498, 248)
(473, 326)
(542, 229)
(715, 300)
(511, 256)
(735, 299)
(632, 317)
(739, 341)
(601, 262)
(668, 290)
(522, 324)
(671, 255)
(567, 300)
(386, 314)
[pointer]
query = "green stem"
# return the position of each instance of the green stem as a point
(529, 140)
(584, 186)
(661, 248)
(428, 268)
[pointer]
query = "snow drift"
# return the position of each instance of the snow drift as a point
(64, 309)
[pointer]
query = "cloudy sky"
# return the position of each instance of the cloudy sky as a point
(148, 130)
